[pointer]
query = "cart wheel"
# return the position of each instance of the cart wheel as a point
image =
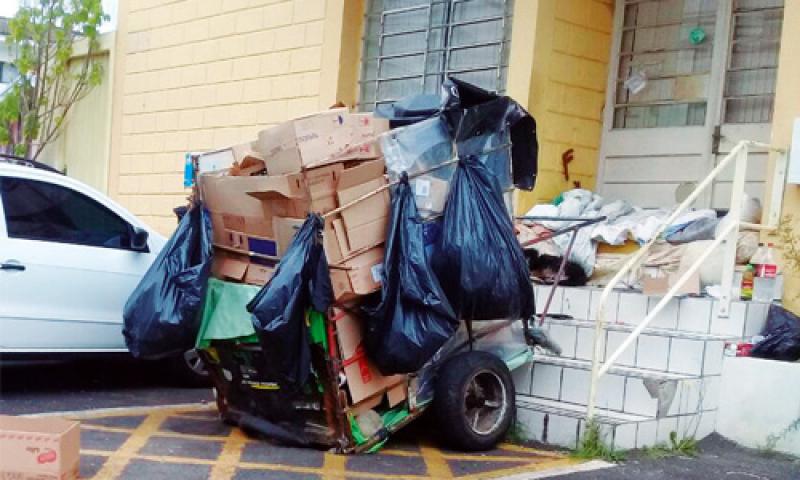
(474, 401)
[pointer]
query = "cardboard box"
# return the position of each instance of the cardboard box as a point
(359, 275)
(39, 448)
(363, 378)
(233, 266)
(223, 158)
(285, 229)
(304, 141)
(234, 210)
(430, 194)
(365, 129)
(366, 220)
(656, 282)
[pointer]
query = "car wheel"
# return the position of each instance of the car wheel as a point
(474, 401)
(189, 370)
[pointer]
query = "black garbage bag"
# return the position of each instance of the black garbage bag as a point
(471, 111)
(413, 319)
(782, 334)
(301, 281)
(479, 262)
(161, 317)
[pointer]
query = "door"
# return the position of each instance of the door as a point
(67, 271)
(689, 79)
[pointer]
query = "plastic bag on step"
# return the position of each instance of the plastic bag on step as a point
(301, 281)
(413, 319)
(782, 334)
(161, 317)
(479, 262)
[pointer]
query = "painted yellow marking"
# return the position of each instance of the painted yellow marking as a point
(519, 448)
(529, 468)
(437, 464)
(334, 466)
(225, 466)
(103, 428)
(119, 459)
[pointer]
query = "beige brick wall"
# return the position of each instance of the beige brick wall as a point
(570, 68)
(203, 74)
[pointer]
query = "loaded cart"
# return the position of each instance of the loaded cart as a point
(345, 273)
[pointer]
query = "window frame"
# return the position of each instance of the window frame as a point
(443, 69)
(4, 226)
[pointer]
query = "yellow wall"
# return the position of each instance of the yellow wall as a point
(202, 74)
(571, 51)
(82, 148)
(787, 108)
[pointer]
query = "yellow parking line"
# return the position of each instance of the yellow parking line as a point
(529, 468)
(225, 466)
(334, 466)
(118, 460)
(103, 428)
(437, 464)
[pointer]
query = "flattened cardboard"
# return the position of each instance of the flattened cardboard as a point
(430, 194)
(367, 235)
(285, 230)
(364, 129)
(363, 220)
(321, 182)
(39, 448)
(341, 237)
(363, 378)
(231, 208)
(240, 268)
(333, 250)
(397, 394)
(657, 283)
(360, 275)
(278, 145)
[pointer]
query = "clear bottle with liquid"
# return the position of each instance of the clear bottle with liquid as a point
(766, 275)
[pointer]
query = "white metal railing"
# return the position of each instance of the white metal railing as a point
(728, 236)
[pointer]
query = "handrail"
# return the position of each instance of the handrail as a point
(739, 153)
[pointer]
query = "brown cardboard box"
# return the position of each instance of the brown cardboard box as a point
(39, 448)
(242, 268)
(304, 141)
(365, 221)
(365, 129)
(360, 275)
(223, 158)
(285, 229)
(363, 378)
(657, 282)
(430, 194)
(234, 210)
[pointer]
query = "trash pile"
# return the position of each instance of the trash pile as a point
(330, 268)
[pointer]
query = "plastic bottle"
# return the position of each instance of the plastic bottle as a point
(766, 275)
(747, 283)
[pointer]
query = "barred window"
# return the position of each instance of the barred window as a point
(411, 46)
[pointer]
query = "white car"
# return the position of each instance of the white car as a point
(69, 259)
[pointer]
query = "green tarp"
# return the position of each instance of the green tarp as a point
(224, 314)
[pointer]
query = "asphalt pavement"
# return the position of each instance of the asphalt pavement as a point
(717, 458)
(37, 387)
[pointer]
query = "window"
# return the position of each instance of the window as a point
(411, 46)
(664, 63)
(8, 72)
(753, 61)
(42, 211)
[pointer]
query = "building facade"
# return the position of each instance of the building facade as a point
(637, 99)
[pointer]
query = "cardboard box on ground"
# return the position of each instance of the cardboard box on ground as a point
(317, 163)
(39, 448)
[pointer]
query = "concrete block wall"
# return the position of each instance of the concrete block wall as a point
(203, 74)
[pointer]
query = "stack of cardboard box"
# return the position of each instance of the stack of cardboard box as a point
(259, 195)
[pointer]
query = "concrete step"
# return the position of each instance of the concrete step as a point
(560, 423)
(657, 349)
(689, 314)
(625, 390)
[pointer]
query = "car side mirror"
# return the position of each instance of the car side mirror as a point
(139, 239)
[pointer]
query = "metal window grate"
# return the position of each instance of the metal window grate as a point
(411, 46)
(658, 55)
(753, 61)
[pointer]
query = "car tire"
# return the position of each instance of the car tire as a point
(188, 370)
(473, 402)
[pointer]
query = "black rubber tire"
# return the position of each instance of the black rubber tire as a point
(184, 375)
(450, 402)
